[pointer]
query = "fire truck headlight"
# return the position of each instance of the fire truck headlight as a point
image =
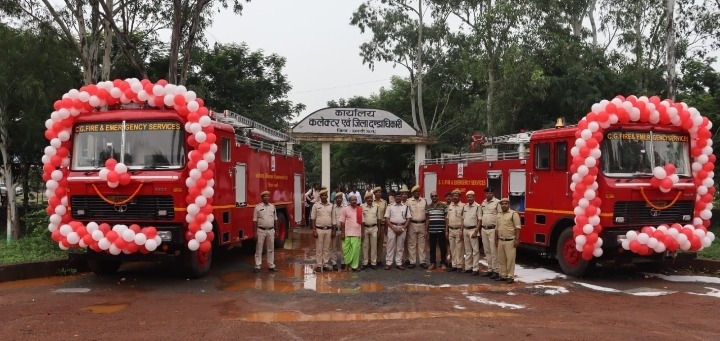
(162, 213)
(80, 212)
(619, 220)
(165, 236)
(686, 217)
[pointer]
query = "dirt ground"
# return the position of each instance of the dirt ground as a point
(148, 301)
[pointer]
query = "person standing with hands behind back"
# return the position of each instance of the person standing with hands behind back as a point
(265, 222)
(507, 239)
(489, 210)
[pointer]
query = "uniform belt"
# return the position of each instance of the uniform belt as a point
(455, 228)
(417, 221)
(507, 239)
(324, 227)
(366, 225)
(470, 227)
(489, 227)
(265, 228)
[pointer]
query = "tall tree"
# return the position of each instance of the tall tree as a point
(407, 33)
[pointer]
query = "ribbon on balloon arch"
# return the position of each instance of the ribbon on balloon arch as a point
(584, 169)
(122, 238)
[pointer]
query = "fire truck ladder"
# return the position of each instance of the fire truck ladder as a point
(491, 153)
(244, 125)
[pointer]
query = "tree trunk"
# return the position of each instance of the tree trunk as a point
(671, 75)
(7, 176)
(107, 63)
(421, 112)
(591, 16)
(177, 22)
(192, 36)
(639, 47)
(489, 103)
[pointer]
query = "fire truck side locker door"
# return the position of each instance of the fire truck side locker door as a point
(240, 185)
(298, 199)
(429, 184)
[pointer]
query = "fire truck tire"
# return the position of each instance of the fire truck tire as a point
(102, 267)
(197, 263)
(570, 259)
(283, 230)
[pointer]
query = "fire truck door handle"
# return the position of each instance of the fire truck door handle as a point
(231, 171)
(567, 183)
(531, 183)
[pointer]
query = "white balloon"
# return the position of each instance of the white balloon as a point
(63, 247)
(660, 248)
(598, 243)
(190, 217)
(97, 235)
(586, 134)
(73, 238)
(583, 170)
(594, 220)
(128, 235)
(64, 136)
(574, 151)
(593, 126)
(200, 236)
(104, 244)
(84, 96)
(209, 156)
(702, 190)
(205, 120)
(643, 238)
(151, 245)
(114, 250)
(52, 227)
(56, 219)
(710, 235)
(190, 96)
(103, 173)
(652, 242)
(202, 165)
(121, 168)
(631, 235)
(706, 242)
(140, 238)
(158, 90)
(60, 209)
(659, 173)
(193, 106)
(113, 184)
(55, 143)
(706, 214)
(583, 202)
(598, 252)
(626, 244)
(595, 153)
(57, 175)
(685, 245)
(208, 192)
(206, 226)
(193, 245)
(200, 136)
(590, 162)
(193, 209)
(169, 100)
(201, 201)
(572, 186)
(580, 143)
(589, 194)
(195, 173)
(92, 227)
(587, 229)
(195, 127)
(50, 151)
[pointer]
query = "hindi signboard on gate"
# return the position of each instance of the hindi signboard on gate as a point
(354, 121)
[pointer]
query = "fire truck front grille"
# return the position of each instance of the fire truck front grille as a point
(639, 213)
(141, 207)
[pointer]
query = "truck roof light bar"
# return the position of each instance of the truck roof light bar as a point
(240, 122)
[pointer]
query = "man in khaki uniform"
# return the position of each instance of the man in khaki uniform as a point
(489, 210)
(507, 238)
(265, 221)
(336, 256)
(371, 217)
(382, 229)
(416, 236)
(323, 221)
(453, 230)
(471, 222)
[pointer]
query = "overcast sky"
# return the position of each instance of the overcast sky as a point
(321, 47)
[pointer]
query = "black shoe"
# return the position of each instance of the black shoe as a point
(500, 279)
(272, 270)
(373, 267)
(256, 270)
(342, 267)
(380, 264)
(510, 280)
(424, 266)
(475, 273)
(318, 269)
(411, 266)
(407, 261)
(487, 274)
(495, 275)
(467, 271)
(328, 268)
(450, 269)
(362, 267)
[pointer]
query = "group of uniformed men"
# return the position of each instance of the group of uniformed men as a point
(405, 221)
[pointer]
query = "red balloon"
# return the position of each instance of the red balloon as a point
(105, 228)
(189, 235)
(150, 232)
(200, 183)
(120, 243)
(207, 209)
(584, 152)
(587, 256)
(113, 176)
(50, 134)
(200, 102)
(179, 100)
(602, 116)
(592, 239)
(159, 101)
(87, 239)
(135, 228)
(659, 235)
(193, 227)
(666, 183)
(205, 246)
(132, 247)
(211, 138)
(111, 236)
(125, 179)
(591, 143)
(210, 236)
(611, 108)
(204, 147)
(590, 210)
(208, 174)
(56, 160)
(200, 218)
(695, 243)
(162, 82)
(110, 163)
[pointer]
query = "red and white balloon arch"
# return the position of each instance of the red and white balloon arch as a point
(121, 238)
(586, 152)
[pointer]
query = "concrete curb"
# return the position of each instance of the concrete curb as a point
(20, 271)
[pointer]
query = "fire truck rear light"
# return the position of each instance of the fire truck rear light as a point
(610, 196)
(162, 213)
(619, 220)
(165, 236)
(80, 212)
(177, 189)
(686, 217)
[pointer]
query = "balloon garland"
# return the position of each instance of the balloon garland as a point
(586, 152)
(121, 238)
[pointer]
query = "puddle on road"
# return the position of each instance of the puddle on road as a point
(295, 316)
(446, 288)
(106, 308)
(36, 282)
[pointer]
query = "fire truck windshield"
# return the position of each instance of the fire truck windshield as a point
(636, 153)
(138, 144)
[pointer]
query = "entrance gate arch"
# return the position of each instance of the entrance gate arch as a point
(358, 125)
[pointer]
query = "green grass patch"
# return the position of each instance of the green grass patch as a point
(712, 252)
(36, 245)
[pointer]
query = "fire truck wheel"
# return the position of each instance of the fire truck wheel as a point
(570, 259)
(102, 267)
(197, 263)
(282, 231)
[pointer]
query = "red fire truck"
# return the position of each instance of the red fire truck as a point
(153, 144)
(533, 170)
